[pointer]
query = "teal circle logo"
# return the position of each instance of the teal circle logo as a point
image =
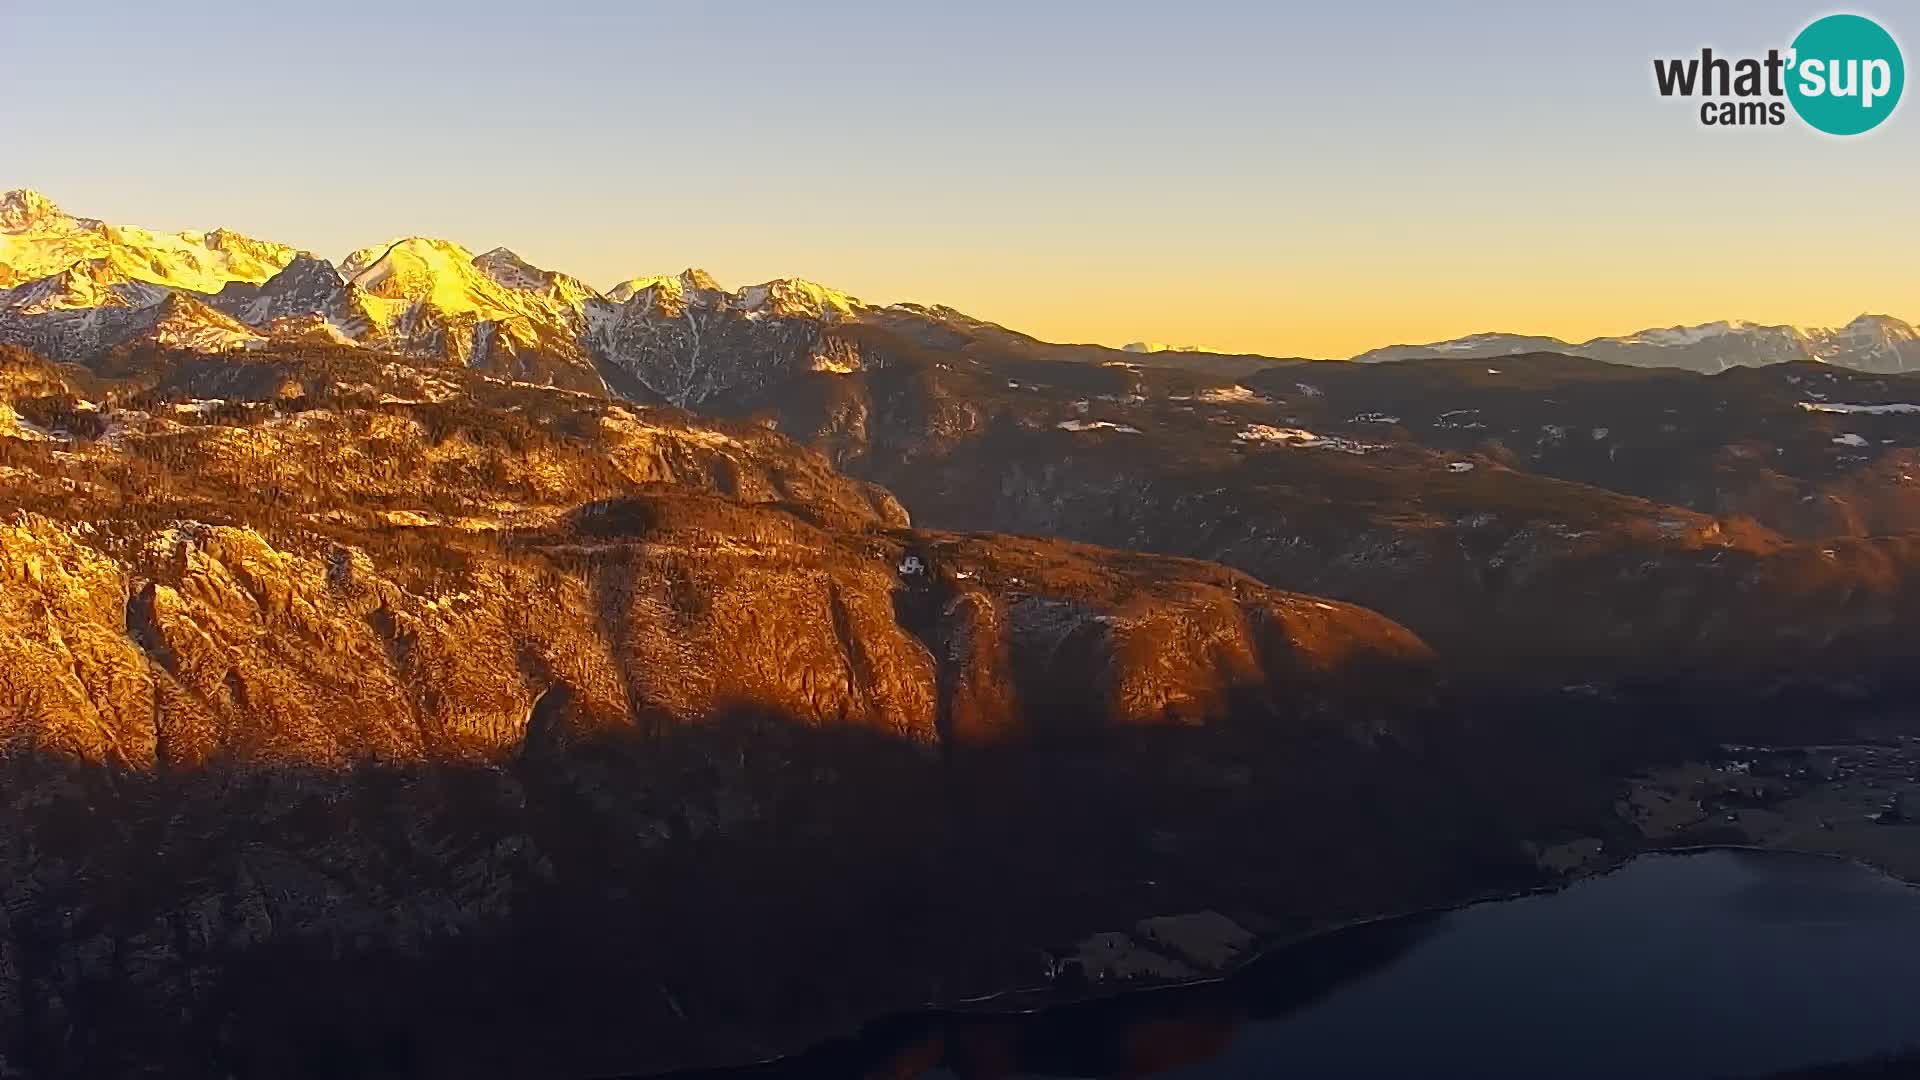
(1845, 74)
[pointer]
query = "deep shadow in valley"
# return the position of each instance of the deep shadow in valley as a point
(1132, 1035)
(618, 903)
(622, 903)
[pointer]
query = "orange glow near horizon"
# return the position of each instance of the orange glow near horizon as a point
(1142, 175)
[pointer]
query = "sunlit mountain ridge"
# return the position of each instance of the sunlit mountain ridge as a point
(69, 288)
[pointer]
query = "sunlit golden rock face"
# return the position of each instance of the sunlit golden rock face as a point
(669, 294)
(203, 644)
(316, 662)
(73, 681)
(23, 209)
(310, 568)
(38, 239)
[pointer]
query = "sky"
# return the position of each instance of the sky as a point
(1284, 178)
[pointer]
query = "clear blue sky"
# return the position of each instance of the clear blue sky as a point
(1290, 178)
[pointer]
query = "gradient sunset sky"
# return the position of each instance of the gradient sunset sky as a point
(1292, 179)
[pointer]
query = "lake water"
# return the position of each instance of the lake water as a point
(1707, 964)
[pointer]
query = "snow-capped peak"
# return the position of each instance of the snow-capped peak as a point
(236, 245)
(307, 271)
(796, 298)
(695, 279)
(400, 266)
(1700, 333)
(509, 269)
(306, 286)
(24, 209)
(666, 286)
(1868, 343)
(37, 240)
(184, 323)
(89, 283)
(1879, 325)
(628, 289)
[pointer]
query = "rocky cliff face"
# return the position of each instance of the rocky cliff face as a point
(362, 717)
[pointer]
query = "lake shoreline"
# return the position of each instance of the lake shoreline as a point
(1029, 1001)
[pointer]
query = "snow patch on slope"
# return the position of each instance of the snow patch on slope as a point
(1871, 410)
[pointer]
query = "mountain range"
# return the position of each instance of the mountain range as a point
(74, 287)
(1877, 343)
(431, 664)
